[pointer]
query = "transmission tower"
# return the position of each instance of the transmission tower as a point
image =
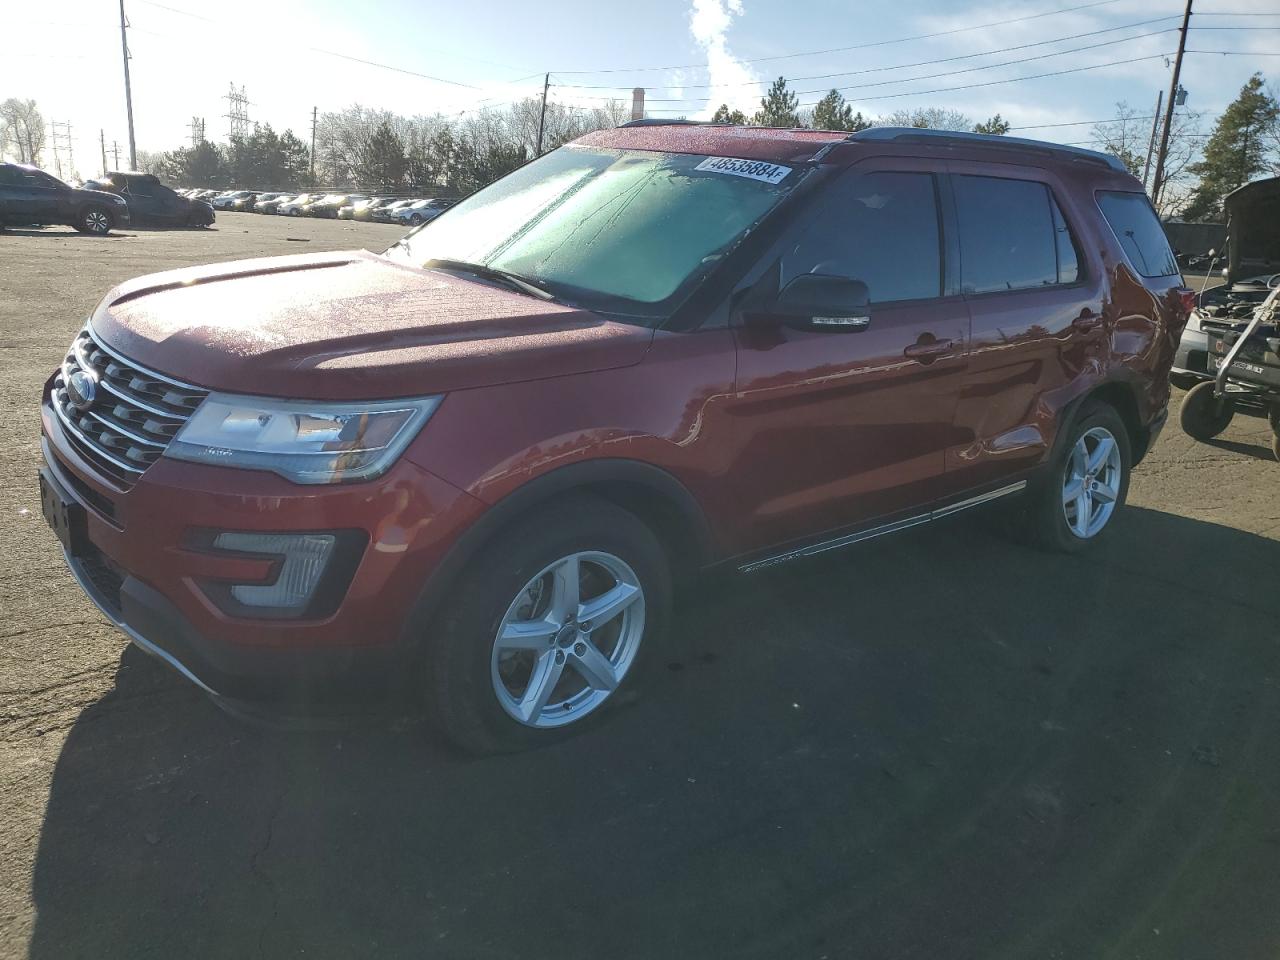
(237, 113)
(197, 131)
(60, 134)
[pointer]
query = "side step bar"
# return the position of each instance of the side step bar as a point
(852, 538)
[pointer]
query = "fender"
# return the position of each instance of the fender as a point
(652, 493)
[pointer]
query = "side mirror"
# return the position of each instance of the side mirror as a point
(813, 301)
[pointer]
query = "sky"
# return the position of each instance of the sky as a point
(427, 57)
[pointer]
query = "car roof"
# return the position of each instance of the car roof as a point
(774, 144)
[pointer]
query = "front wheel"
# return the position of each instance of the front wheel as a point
(415, 219)
(1076, 500)
(1203, 415)
(550, 625)
(94, 220)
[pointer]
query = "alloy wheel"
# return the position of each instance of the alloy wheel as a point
(1092, 482)
(568, 639)
(96, 221)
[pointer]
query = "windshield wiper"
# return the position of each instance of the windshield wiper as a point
(512, 280)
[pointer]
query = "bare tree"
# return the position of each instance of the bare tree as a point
(21, 130)
(1128, 136)
(933, 118)
(1125, 136)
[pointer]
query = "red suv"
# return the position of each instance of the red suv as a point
(473, 467)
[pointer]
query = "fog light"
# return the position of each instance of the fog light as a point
(303, 556)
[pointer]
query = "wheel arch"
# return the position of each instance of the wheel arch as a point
(1121, 396)
(655, 496)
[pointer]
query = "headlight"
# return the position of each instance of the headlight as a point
(302, 441)
(115, 199)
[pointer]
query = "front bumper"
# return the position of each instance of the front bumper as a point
(145, 571)
(1190, 361)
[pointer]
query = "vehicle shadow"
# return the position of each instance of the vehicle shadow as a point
(939, 745)
(1256, 450)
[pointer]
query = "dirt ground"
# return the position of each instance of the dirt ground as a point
(934, 746)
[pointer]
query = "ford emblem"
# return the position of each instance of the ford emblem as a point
(82, 390)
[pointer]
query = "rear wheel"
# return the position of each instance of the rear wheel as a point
(416, 219)
(1204, 416)
(1076, 500)
(552, 623)
(94, 220)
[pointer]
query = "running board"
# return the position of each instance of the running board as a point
(852, 538)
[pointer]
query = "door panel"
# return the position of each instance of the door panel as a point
(1028, 346)
(841, 427)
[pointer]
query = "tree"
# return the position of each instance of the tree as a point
(1236, 151)
(832, 113)
(382, 161)
(779, 107)
(931, 118)
(1125, 137)
(21, 130)
(997, 125)
(198, 166)
(724, 115)
(295, 162)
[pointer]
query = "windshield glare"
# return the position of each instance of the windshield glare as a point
(627, 232)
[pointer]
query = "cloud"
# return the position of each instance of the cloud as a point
(731, 80)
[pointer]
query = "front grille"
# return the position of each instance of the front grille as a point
(134, 415)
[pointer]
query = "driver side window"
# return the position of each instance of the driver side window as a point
(880, 228)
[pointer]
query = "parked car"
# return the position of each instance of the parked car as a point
(273, 205)
(387, 214)
(1251, 266)
(363, 209)
(293, 208)
(422, 211)
(152, 203)
(329, 205)
(474, 468)
(205, 194)
(226, 201)
(29, 196)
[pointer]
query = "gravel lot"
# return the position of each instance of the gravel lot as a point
(935, 746)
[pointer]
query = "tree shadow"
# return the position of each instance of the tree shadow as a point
(935, 745)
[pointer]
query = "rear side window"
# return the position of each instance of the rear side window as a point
(880, 228)
(1138, 229)
(1009, 236)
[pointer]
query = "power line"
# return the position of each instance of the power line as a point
(1237, 53)
(988, 83)
(861, 46)
(898, 66)
(953, 73)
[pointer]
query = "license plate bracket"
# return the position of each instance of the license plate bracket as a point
(66, 518)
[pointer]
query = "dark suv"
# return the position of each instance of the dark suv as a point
(32, 197)
(475, 467)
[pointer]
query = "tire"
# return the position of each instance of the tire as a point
(1273, 417)
(416, 219)
(1048, 519)
(477, 687)
(1203, 416)
(94, 220)
(1275, 444)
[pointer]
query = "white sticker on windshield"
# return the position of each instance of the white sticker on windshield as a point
(753, 169)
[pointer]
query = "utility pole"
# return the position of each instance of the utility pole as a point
(102, 140)
(1151, 145)
(315, 113)
(1157, 184)
(542, 117)
(115, 152)
(128, 92)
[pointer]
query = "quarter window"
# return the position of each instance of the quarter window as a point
(1138, 229)
(1009, 236)
(880, 228)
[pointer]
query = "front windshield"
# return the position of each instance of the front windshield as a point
(625, 232)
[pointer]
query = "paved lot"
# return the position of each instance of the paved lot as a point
(939, 746)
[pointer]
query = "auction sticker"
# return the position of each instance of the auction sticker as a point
(752, 169)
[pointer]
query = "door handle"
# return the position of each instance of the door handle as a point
(927, 351)
(1088, 320)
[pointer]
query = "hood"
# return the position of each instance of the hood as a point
(1253, 229)
(348, 326)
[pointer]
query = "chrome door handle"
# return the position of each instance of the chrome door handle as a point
(927, 352)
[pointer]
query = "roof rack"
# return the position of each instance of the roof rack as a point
(658, 122)
(986, 140)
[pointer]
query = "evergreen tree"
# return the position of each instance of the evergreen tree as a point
(383, 161)
(1236, 151)
(997, 125)
(832, 113)
(724, 115)
(779, 107)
